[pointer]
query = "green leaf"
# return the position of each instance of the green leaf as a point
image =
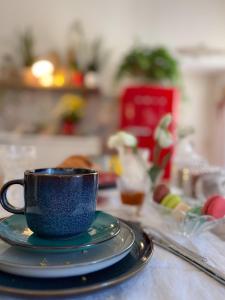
(155, 64)
(165, 160)
(154, 172)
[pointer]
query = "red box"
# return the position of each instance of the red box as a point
(142, 107)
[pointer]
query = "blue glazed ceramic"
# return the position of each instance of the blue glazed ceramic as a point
(29, 288)
(58, 202)
(14, 231)
(15, 260)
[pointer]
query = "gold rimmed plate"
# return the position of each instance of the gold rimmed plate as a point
(129, 266)
(54, 265)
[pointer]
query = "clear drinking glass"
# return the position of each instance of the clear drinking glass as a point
(134, 183)
(132, 196)
(14, 160)
(210, 184)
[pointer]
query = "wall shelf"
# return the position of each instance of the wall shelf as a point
(20, 86)
(65, 89)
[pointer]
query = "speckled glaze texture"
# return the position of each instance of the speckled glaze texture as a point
(72, 286)
(60, 202)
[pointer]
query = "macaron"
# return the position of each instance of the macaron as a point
(171, 201)
(215, 206)
(196, 210)
(207, 203)
(160, 192)
(180, 211)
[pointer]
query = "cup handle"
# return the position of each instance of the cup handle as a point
(3, 197)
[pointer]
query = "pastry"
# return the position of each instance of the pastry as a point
(162, 196)
(160, 192)
(215, 206)
(78, 161)
(196, 210)
(180, 211)
(171, 201)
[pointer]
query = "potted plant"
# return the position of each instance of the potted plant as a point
(68, 112)
(155, 65)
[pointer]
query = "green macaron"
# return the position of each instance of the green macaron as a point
(171, 201)
(196, 210)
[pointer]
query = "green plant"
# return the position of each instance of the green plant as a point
(26, 48)
(163, 140)
(98, 56)
(155, 64)
(69, 108)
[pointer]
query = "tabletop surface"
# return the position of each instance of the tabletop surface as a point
(165, 276)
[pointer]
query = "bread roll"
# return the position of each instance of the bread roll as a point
(78, 161)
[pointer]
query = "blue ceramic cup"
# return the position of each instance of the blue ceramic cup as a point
(58, 202)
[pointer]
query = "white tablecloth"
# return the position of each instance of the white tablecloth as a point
(167, 277)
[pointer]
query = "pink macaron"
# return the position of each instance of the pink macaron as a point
(215, 206)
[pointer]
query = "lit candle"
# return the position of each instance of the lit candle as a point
(43, 71)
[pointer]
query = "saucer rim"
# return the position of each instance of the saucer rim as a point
(137, 267)
(60, 248)
(128, 247)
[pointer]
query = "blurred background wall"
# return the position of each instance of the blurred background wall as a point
(121, 24)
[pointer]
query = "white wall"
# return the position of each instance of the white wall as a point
(173, 22)
(120, 22)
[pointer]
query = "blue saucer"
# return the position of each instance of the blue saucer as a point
(14, 231)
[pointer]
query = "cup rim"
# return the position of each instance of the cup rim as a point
(78, 172)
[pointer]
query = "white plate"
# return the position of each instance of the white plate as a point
(39, 264)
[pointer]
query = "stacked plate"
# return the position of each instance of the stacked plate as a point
(110, 252)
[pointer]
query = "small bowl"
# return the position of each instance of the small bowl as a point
(190, 224)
